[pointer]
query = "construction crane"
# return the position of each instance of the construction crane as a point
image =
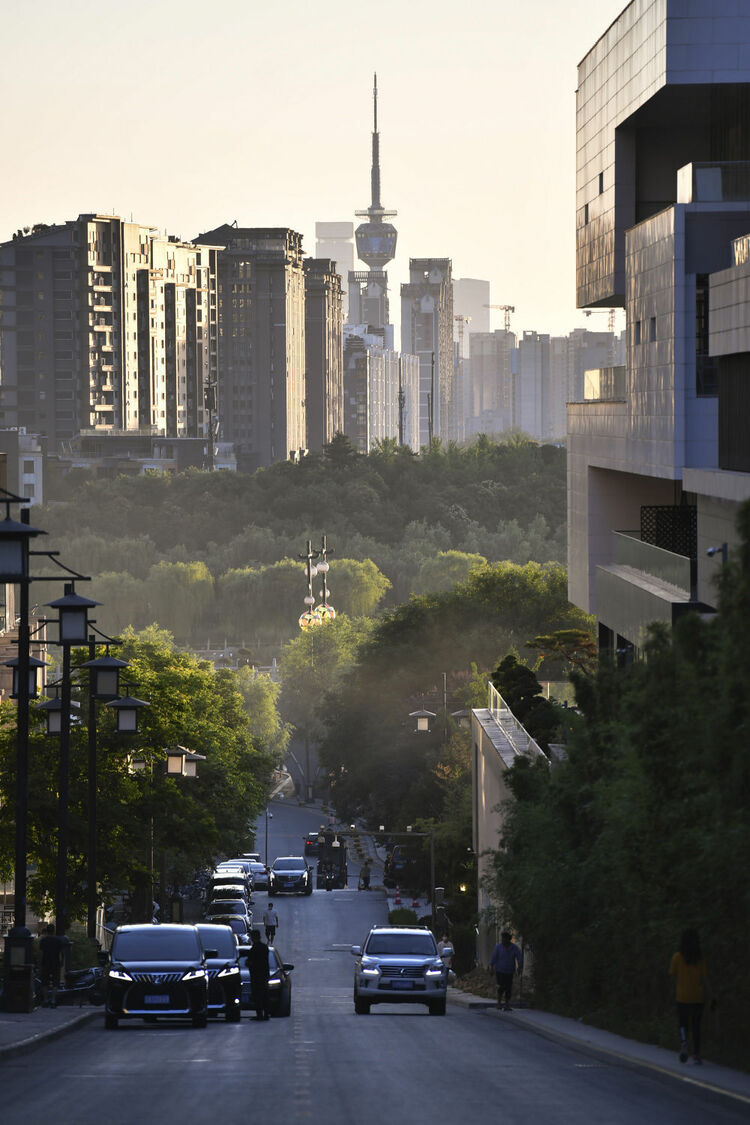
(610, 314)
(507, 309)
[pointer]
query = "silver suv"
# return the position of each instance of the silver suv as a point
(399, 965)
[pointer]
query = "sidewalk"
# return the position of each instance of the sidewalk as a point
(23, 1031)
(605, 1045)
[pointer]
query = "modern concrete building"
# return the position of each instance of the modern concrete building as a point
(324, 352)
(427, 332)
(25, 459)
(657, 457)
(491, 383)
(336, 241)
(381, 392)
(261, 382)
(106, 327)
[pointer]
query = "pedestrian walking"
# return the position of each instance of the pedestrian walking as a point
(364, 876)
(445, 951)
(270, 921)
(506, 958)
(692, 989)
(257, 963)
(52, 949)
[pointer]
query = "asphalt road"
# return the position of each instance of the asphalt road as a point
(324, 1064)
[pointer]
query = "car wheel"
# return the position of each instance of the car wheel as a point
(308, 888)
(285, 1002)
(110, 1022)
(361, 1007)
(437, 1007)
(200, 1021)
(233, 1014)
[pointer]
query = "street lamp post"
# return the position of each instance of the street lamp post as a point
(73, 630)
(15, 537)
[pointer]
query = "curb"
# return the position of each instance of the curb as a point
(586, 1046)
(24, 1046)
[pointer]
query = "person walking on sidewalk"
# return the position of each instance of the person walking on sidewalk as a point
(52, 949)
(506, 957)
(692, 989)
(364, 876)
(270, 921)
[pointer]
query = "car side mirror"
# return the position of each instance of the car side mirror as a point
(212, 953)
(288, 968)
(356, 950)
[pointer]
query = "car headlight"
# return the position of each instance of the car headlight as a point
(434, 972)
(194, 974)
(230, 971)
(369, 969)
(119, 974)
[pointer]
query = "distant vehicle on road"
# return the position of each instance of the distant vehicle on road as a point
(291, 874)
(400, 965)
(259, 876)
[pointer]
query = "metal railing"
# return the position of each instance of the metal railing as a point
(516, 734)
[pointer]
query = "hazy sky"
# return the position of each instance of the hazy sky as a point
(188, 114)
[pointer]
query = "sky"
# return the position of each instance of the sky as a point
(187, 115)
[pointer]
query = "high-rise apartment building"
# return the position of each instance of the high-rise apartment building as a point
(381, 392)
(324, 352)
(336, 241)
(427, 332)
(106, 328)
(658, 455)
(261, 342)
(489, 399)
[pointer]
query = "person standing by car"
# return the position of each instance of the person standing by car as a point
(257, 963)
(692, 988)
(506, 957)
(270, 921)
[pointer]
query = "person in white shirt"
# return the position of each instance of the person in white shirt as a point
(270, 921)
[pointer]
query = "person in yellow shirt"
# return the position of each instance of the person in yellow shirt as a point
(692, 989)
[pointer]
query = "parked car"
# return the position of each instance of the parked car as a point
(259, 876)
(238, 924)
(400, 965)
(229, 906)
(236, 879)
(279, 982)
(155, 971)
(228, 890)
(290, 873)
(224, 980)
(311, 844)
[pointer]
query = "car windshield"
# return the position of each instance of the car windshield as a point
(157, 945)
(227, 906)
(234, 921)
(289, 864)
(222, 941)
(258, 867)
(417, 945)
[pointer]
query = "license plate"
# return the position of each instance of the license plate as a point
(156, 999)
(401, 984)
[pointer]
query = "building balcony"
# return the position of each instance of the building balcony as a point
(728, 182)
(604, 384)
(676, 570)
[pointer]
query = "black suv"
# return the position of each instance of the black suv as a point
(399, 965)
(224, 979)
(156, 970)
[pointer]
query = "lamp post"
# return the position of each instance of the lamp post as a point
(73, 623)
(15, 538)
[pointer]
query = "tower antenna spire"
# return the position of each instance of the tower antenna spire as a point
(375, 174)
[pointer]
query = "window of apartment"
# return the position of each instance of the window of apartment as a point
(585, 214)
(652, 329)
(601, 183)
(28, 466)
(637, 332)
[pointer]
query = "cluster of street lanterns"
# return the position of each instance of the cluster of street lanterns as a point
(324, 611)
(73, 631)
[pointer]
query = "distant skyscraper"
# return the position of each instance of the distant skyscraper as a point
(324, 352)
(261, 343)
(376, 246)
(336, 241)
(490, 383)
(381, 392)
(427, 332)
(471, 298)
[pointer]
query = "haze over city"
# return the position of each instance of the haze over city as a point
(263, 115)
